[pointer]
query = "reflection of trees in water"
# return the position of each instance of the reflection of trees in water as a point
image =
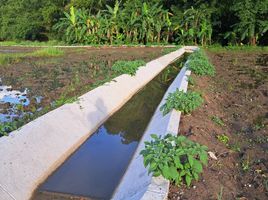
(132, 119)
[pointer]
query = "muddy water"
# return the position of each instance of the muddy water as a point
(95, 169)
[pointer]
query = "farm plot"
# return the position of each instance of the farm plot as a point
(233, 124)
(34, 81)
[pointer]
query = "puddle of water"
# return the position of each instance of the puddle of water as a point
(96, 168)
(12, 102)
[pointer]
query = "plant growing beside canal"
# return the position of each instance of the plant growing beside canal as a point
(199, 64)
(127, 67)
(176, 158)
(182, 101)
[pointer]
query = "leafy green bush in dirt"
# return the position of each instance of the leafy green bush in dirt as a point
(176, 158)
(127, 67)
(199, 64)
(182, 101)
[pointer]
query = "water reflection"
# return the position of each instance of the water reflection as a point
(90, 172)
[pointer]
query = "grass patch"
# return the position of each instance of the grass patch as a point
(127, 67)
(6, 59)
(9, 58)
(48, 52)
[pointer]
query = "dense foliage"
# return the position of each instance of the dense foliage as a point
(175, 157)
(185, 102)
(136, 21)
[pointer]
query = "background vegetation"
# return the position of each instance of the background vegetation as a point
(136, 21)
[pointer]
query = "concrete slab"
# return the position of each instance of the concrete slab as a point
(30, 154)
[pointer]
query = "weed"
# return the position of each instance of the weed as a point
(182, 101)
(219, 196)
(223, 139)
(217, 120)
(245, 164)
(199, 64)
(235, 147)
(127, 67)
(175, 157)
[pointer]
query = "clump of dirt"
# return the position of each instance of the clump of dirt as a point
(237, 95)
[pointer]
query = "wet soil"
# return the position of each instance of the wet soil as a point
(58, 78)
(238, 95)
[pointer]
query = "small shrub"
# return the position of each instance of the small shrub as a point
(177, 159)
(127, 67)
(185, 102)
(48, 52)
(199, 64)
(223, 139)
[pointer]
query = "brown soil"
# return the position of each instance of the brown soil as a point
(238, 95)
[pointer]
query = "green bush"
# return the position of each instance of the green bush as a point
(185, 102)
(176, 158)
(199, 64)
(127, 67)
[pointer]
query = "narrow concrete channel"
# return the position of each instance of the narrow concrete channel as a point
(96, 168)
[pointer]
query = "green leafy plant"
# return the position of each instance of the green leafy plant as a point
(175, 157)
(217, 120)
(200, 65)
(182, 101)
(223, 139)
(127, 67)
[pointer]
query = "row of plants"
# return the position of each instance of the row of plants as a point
(177, 158)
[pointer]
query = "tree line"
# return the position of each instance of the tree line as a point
(136, 21)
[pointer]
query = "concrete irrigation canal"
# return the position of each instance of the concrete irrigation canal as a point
(90, 149)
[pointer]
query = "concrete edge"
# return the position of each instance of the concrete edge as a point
(137, 183)
(31, 153)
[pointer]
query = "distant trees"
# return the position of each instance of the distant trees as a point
(135, 21)
(29, 19)
(252, 19)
